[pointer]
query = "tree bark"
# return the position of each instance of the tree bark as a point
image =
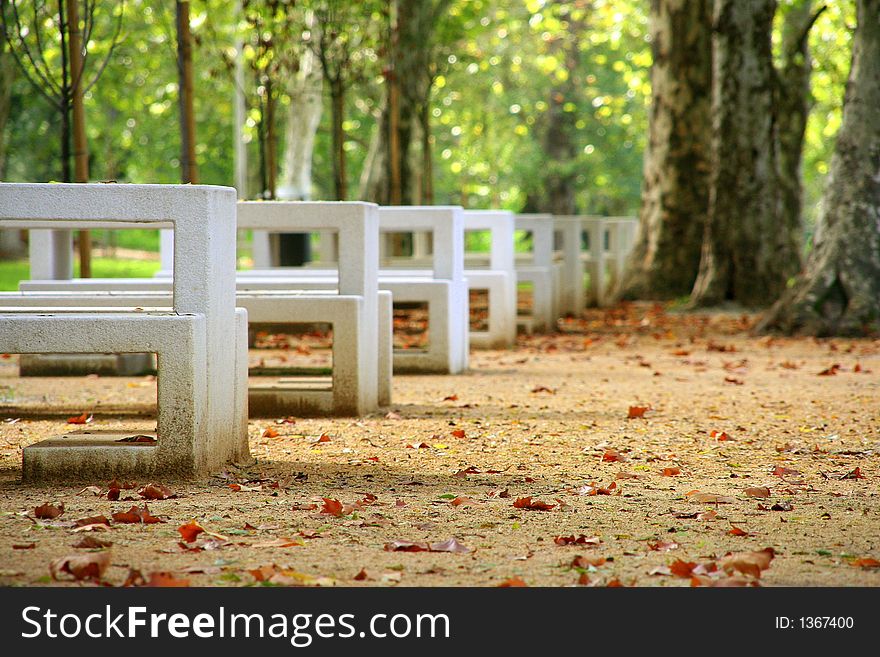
(303, 118)
(748, 253)
(271, 142)
(675, 188)
(80, 146)
(189, 170)
(7, 77)
(337, 109)
(838, 293)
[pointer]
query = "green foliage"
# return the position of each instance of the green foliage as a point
(499, 63)
(13, 271)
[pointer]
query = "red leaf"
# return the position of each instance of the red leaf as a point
(361, 576)
(585, 562)
(135, 515)
(190, 530)
(527, 503)
(681, 568)
(85, 418)
(92, 520)
(785, 472)
(459, 433)
(736, 531)
(466, 501)
(662, 546)
(155, 492)
(758, 491)
(81, 566)
(513, 582)
(164, 579)
(452, 397)
(332, 507)
(270, 432)
(830, 371)
(612, 455)
(671, 472)
(720, 435)
(866, 562)
(855, 474)
(580, 540)
(637, 412)
(48, 511)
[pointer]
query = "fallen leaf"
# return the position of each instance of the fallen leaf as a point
(736, 531)
(361, 576)
(81, 566)
(452, 397)
(538, 389)
(163, 579)
(270, 432)
(758, 491)
(866, 562)
(782, 506)
(612, 455)
(709, 498)
(662, 546)
(155, 492)
(458, 433)
(459, 501)
(85, 418)
(585, 562)
(280, 543)
(636, 412)
(332, 507)
(48, 511)
(830, 371)
(785, 472)
(24, 546)
(536, 505)
(190, 530)
(92, 543)
(681, 568)
(671, 472)
(719, 435)
(135, 515)
(855, 474)
(513, 582)
(582, 539)
(747, 563)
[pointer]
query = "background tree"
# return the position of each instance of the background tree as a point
(344, 47)
(838, 293)
(189, 170)
(749, 252)
(675, 189)
(50, 46)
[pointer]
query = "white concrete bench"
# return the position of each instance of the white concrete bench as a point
(610, 239)
(200, 340)
(440, 284)
(540, 272)
(360, 315)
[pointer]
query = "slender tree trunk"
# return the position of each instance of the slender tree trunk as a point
(748, 254)
(427, 155)
(80, 146)
(271, 142)
(303, 118)
(337, 109)
(189, 169)
(675, 186)
(394, 161)
(838, 293)
(66, 174)
(7, 77)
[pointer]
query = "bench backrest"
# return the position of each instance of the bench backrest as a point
(445, 223)
(500, 224)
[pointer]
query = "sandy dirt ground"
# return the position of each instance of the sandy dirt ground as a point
(747, 443)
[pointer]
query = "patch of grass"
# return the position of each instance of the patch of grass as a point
(13, 271)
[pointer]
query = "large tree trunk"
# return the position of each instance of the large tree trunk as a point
(748, 253)
(793, 102)
(675, 187)
(838, 293)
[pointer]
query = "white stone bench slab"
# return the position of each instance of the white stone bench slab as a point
(201, 423)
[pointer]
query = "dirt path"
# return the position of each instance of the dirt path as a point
(728, 413)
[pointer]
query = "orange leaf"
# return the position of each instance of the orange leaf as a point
(332, 507)
(155, 492)
(747, 563)
(513, 582)
(270, 432)
(671, 472)
(758, 491)
(190, 530)
(85, 418)
(866, 562)
(81, 566)
(637, 412)
(681, 568)
(736, 531)
(164, 579)
(527, 503)
(458, 433)
(612, 455)
(48, 511)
